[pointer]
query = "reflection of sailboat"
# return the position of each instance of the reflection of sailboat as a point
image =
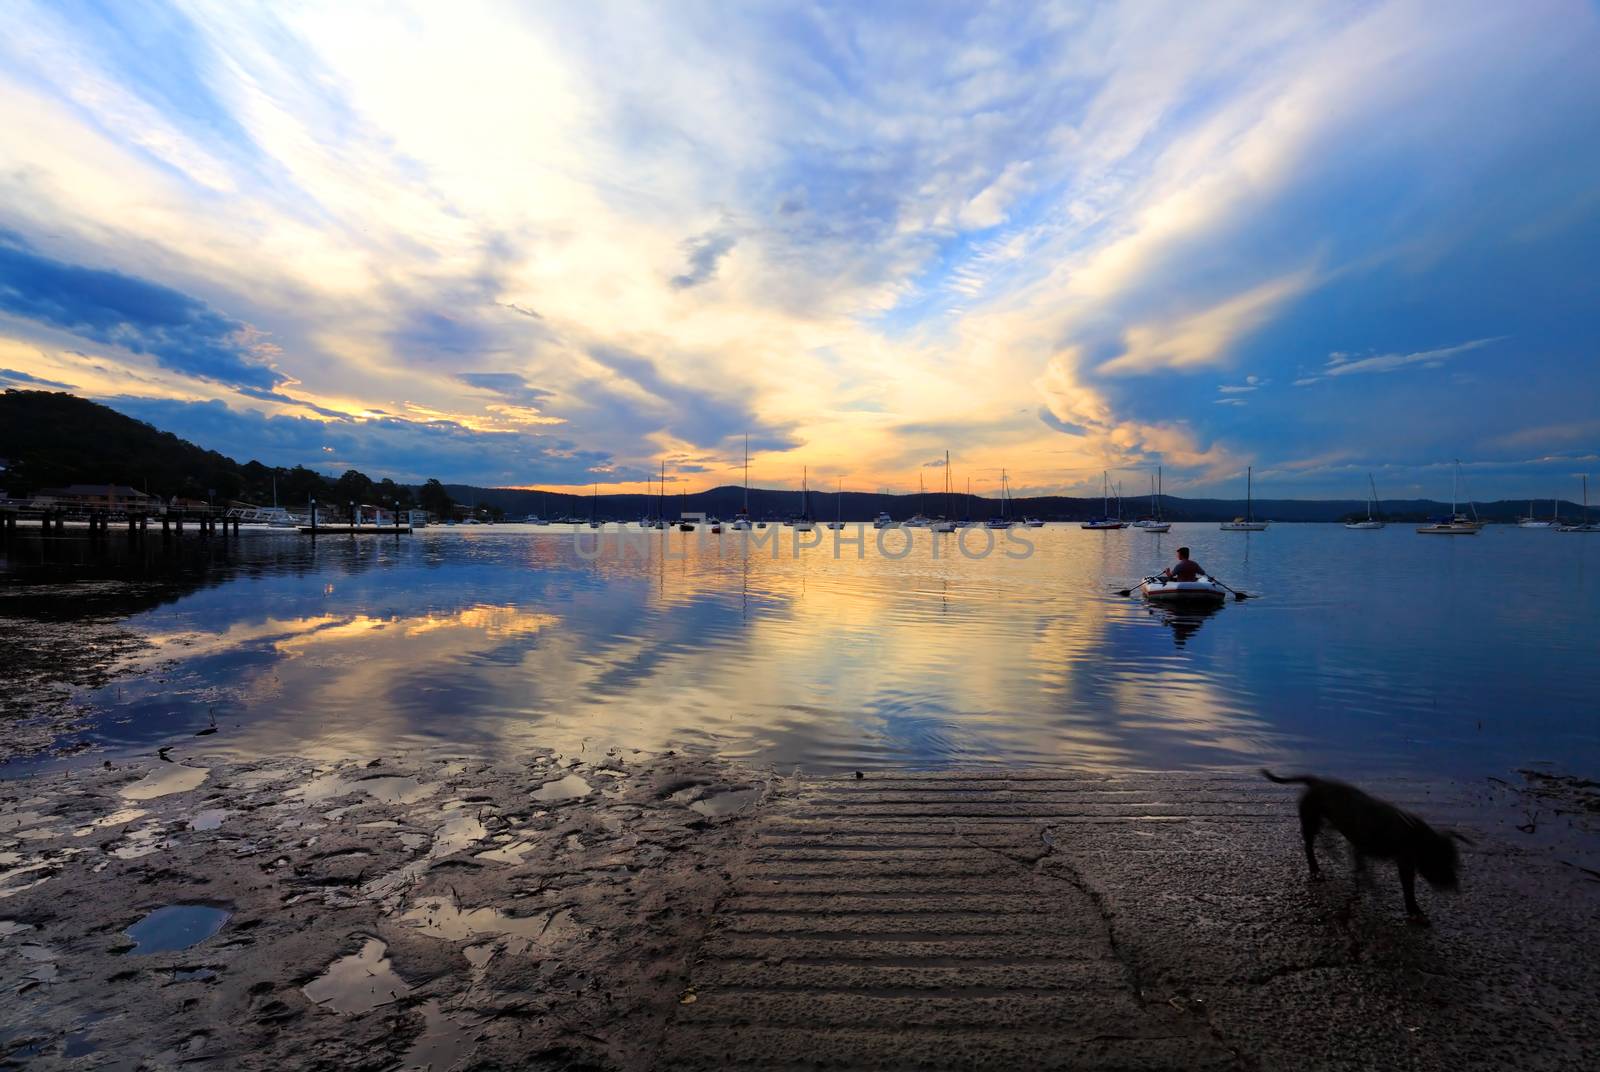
(1248, 522)
(1371, 522)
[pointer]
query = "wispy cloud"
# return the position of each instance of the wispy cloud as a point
(1343, 364)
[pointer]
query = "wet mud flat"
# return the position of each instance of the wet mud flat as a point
(639, 911)
(392, 912)
(44, 664)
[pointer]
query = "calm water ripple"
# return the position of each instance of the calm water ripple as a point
(1366, 649)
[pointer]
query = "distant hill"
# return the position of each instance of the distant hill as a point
(725, 502)
(52, 438)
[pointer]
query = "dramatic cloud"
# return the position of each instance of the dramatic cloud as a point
(1052, 239)
(181, 333)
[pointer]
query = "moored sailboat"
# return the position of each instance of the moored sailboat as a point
(1105, 520)
(1248, 522)
(1457, 524)
(1371, 522)
(1586, 525)
(1004, 520)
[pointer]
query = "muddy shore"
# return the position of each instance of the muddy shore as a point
(383, 913)
(638, 911)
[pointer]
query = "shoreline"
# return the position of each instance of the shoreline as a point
(639, 911)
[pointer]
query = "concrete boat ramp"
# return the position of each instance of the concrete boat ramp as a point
(1132, 921)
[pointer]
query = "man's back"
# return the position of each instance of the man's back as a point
(1187, 569)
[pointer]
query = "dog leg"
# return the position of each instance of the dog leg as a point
(1408, 884)
(1310, 823)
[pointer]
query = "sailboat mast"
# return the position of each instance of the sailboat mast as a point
(1158, 493)
(1249, 493)
(949, 500)
(1105, 493)
(747, 472)
(1455, 482)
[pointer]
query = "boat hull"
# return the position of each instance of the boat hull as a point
(1243, 526)
(1364, 525)
(1203, 591)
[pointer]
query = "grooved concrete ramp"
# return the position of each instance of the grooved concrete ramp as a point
(909, 922)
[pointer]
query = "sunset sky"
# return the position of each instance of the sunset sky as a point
(547, 244)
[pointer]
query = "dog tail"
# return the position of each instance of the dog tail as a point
(1298, 780)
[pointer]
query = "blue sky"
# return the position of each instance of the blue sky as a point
(543, 245)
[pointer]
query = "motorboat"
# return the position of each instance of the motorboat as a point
(1201, 590)
(1033, 522)
(1248, 522)
(1455, 525)
(883, 521)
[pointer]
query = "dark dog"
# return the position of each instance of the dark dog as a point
(1377, 829)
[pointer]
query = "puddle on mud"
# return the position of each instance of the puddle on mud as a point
(386, 789)
(509, 853)
(144, 841)
(42, 961)
(440, 917)
(12, 821)
(358, 983)
(715, 803)
(569, 788)
(116, 818)
(173, 927)
(209, 819)
(442, 1043)
(170, 778)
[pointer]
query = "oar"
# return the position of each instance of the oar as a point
(1237, 595)
(1135, 588)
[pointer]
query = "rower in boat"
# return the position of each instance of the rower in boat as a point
(1184, 582)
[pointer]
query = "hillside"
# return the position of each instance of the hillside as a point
(52, 439)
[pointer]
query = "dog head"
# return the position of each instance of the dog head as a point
(1437, 859)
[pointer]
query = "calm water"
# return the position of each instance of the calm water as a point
(1387, 649)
